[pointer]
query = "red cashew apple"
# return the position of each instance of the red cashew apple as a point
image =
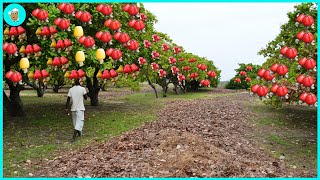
(311, 99)
(52, 30)
(44, 73)
(132, 22)
(291, 53)
(133, 45)
(155, 38)
(67, 43)
(249, 68)
(146, 43)
(243, 73)
(133, 10)
(282, 91)
(282, 70)
(81, 73)
(307, 20)
(13, 31)
(37, 75)
(261, 72)
(74, 74)
(174, 70)
(107, 22)
(268, 76)
(303, 96)
(211, 74)
(302, 61)
(83, 16)
(307, 37)
(248, 79)
(126, 7)
(187, 68)
(56, 61)
(172, 60)
(11, 48)
(114, 25)
(9, 74)
(262, 91)
(113, 73)
(165, 47)
(16, 77)
(109, 51)
(127, 69)
(192, 60)
(154, 66)
(300, 35)
(142, 60)
(300, 18)
(308, 81)
(284, 50)
(310, 64)
(300, 78)
(63, 60)
(36, 48)
(134, 68)
(237, 80)
(123, 38)
(116, 54)
(162, 73)
(274, 67)
(106, 10)
(106, 74)
(138, 25)
(274, 88)
(254, 88)
(143, 17)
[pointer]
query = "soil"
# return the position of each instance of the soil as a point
(190, 138)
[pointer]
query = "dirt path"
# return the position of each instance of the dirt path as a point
(202, 138)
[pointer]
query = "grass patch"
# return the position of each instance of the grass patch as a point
(271, 122)
(292, 116)
(277, 140)
(198, 95)
(291, 131)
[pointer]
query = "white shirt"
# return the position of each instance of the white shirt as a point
(76, 94)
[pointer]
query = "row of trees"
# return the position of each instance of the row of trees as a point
(244, 75)
(96, 43)
(289, 74)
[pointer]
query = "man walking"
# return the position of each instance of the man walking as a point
(77, 93)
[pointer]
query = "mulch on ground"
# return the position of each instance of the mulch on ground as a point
(191, 138)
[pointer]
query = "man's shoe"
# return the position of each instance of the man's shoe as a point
(79, 133)
(74, 136)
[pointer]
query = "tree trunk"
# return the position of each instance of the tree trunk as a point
(175, 89)
(13, 104)
(182, 89)
(103, 87)
(55, 88)
(94, 100)
(40, 92)
(58, 84)
(40, 88)
(193, 86)
(93, 89)
(164, 91)
(152, 86)
(6, 101)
